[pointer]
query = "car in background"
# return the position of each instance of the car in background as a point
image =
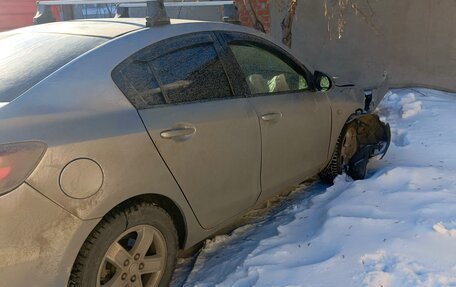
(121, 143)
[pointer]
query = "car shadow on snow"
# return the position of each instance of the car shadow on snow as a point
(246, 236)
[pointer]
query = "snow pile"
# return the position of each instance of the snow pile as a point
(406, 104)
(442, 229)
(387, 270)
(396, 228)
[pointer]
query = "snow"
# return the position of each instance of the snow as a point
(395, 228)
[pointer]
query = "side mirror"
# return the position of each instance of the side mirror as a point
(322, 81)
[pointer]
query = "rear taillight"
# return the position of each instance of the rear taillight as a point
(17, 162)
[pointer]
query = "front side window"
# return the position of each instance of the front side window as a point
(265, 72)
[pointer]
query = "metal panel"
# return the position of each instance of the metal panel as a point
(218, 168)
(295, 146)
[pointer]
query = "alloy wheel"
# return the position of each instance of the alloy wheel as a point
(137, 258)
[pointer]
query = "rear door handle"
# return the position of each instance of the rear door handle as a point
(271, 117)
(178, 133)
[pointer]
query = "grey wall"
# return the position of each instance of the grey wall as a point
(413, 40)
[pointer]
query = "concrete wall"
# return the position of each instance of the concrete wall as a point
(413, 40)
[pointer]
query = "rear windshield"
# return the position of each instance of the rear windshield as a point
(27, 58)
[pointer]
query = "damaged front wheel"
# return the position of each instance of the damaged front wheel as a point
(346, 147)
(362, 138)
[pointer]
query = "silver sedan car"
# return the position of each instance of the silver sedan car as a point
(122, 144)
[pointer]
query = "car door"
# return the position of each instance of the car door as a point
(295, 121)
(206, 133)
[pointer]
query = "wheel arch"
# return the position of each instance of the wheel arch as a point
(369, 120)
(373, 138)
(172, 209)
(168, 205)
(371, 129)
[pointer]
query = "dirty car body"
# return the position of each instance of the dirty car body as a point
(204, 120)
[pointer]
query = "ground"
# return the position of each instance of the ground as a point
(395, 228)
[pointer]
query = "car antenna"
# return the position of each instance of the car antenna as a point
(156, 12)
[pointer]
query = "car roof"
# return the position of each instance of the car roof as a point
(105, 28)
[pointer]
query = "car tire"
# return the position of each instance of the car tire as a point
(345, 149)
(134, 244)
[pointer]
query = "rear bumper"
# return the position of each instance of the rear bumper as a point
(39, 240)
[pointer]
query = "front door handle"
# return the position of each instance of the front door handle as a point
(178, 133)
(270, 117)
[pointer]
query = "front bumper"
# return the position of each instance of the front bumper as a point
(374, 139)
(39, 240)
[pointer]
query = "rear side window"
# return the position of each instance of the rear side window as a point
(192, 74)
(137, 82)
(28, 58)
(188, 74)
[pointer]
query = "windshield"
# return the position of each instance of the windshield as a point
(28, 58)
